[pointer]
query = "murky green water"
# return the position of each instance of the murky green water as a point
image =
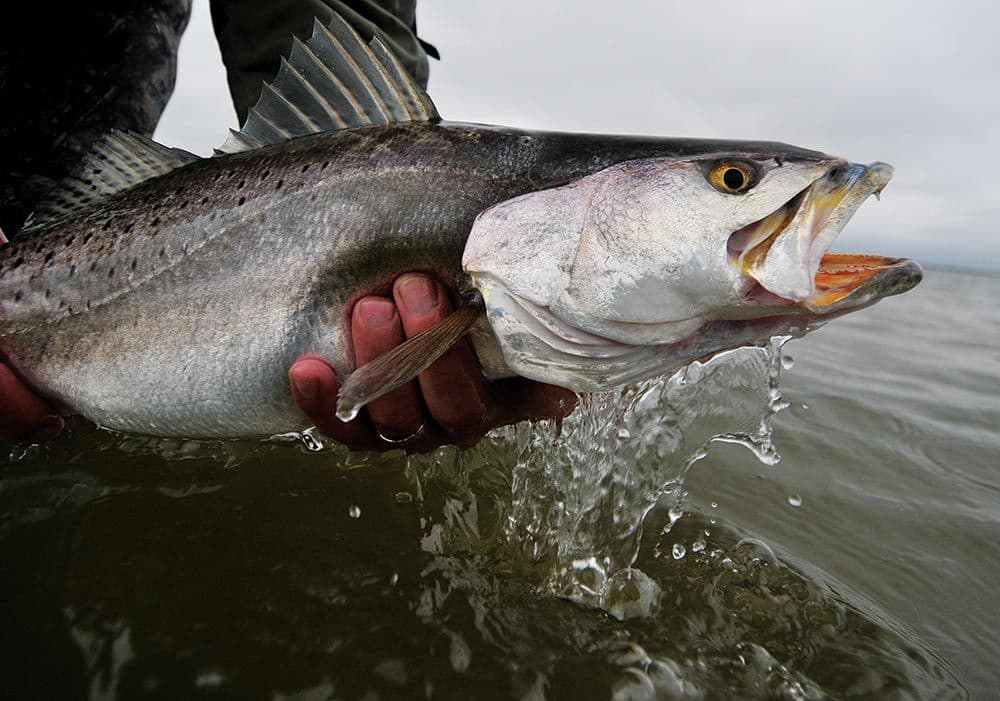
(864, 564)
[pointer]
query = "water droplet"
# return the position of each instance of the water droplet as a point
(403, 497)
(675, 513)
(679, 551)
(698, 545)
(348, 412)
(623, 434)
(778, 403)
(805, 406)
(795, 500)
(630, 593)
(715, 505)
(354, 511)
(787, 362)
(312, 442)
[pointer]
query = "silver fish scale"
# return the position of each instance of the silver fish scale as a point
(197, 290)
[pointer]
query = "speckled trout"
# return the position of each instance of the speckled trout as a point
(167, 294)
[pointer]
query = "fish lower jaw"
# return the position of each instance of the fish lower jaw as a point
(842, 282)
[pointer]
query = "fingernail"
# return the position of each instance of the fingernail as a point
(51, 427)
(376, 311)
(417, 293)
(306, 387)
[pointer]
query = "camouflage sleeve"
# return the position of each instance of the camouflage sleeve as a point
(254, 34)
(67, 79)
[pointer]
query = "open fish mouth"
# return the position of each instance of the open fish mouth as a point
(786, 253)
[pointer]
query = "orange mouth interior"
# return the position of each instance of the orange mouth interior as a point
(841, 273)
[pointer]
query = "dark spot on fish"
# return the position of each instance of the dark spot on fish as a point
(18, 261)
(325, 164)
(70, 239)
(265, 174)
(242, 200)
(93, 266)
(72, 270)
(49, 256)
(111, 272)
(155, 222)
(179, 191)
(134, 263)
(62, 303)
(127, 229)
(204, 200)
(278, 185)
(48, 293)
(17, 296)
(215, 178)
(163, 252)
(107, 225)
(242, 183)
(305, 167)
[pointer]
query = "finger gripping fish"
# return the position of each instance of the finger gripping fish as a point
(166, 294)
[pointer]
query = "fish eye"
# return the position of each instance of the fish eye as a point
(732, 177)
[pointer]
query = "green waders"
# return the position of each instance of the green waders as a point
(66, 79)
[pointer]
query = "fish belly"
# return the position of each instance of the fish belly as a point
(193, 353)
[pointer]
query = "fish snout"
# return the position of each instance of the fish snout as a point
(844, 176)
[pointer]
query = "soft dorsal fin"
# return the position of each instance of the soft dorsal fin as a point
(332, 81)
(118, 161)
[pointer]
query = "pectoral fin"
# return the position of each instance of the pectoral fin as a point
(404, 362)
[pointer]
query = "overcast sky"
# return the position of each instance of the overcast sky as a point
(914, 84)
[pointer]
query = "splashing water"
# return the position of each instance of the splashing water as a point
(583, 498)
(569, 507)
(566, 507)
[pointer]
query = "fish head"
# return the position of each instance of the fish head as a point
(649, 264)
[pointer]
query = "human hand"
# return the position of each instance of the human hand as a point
(449, 403)
(24, 416)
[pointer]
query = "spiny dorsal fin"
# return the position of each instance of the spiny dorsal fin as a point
(118, 161)
(332, 81)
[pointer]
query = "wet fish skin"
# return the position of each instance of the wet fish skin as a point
(176, 307)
